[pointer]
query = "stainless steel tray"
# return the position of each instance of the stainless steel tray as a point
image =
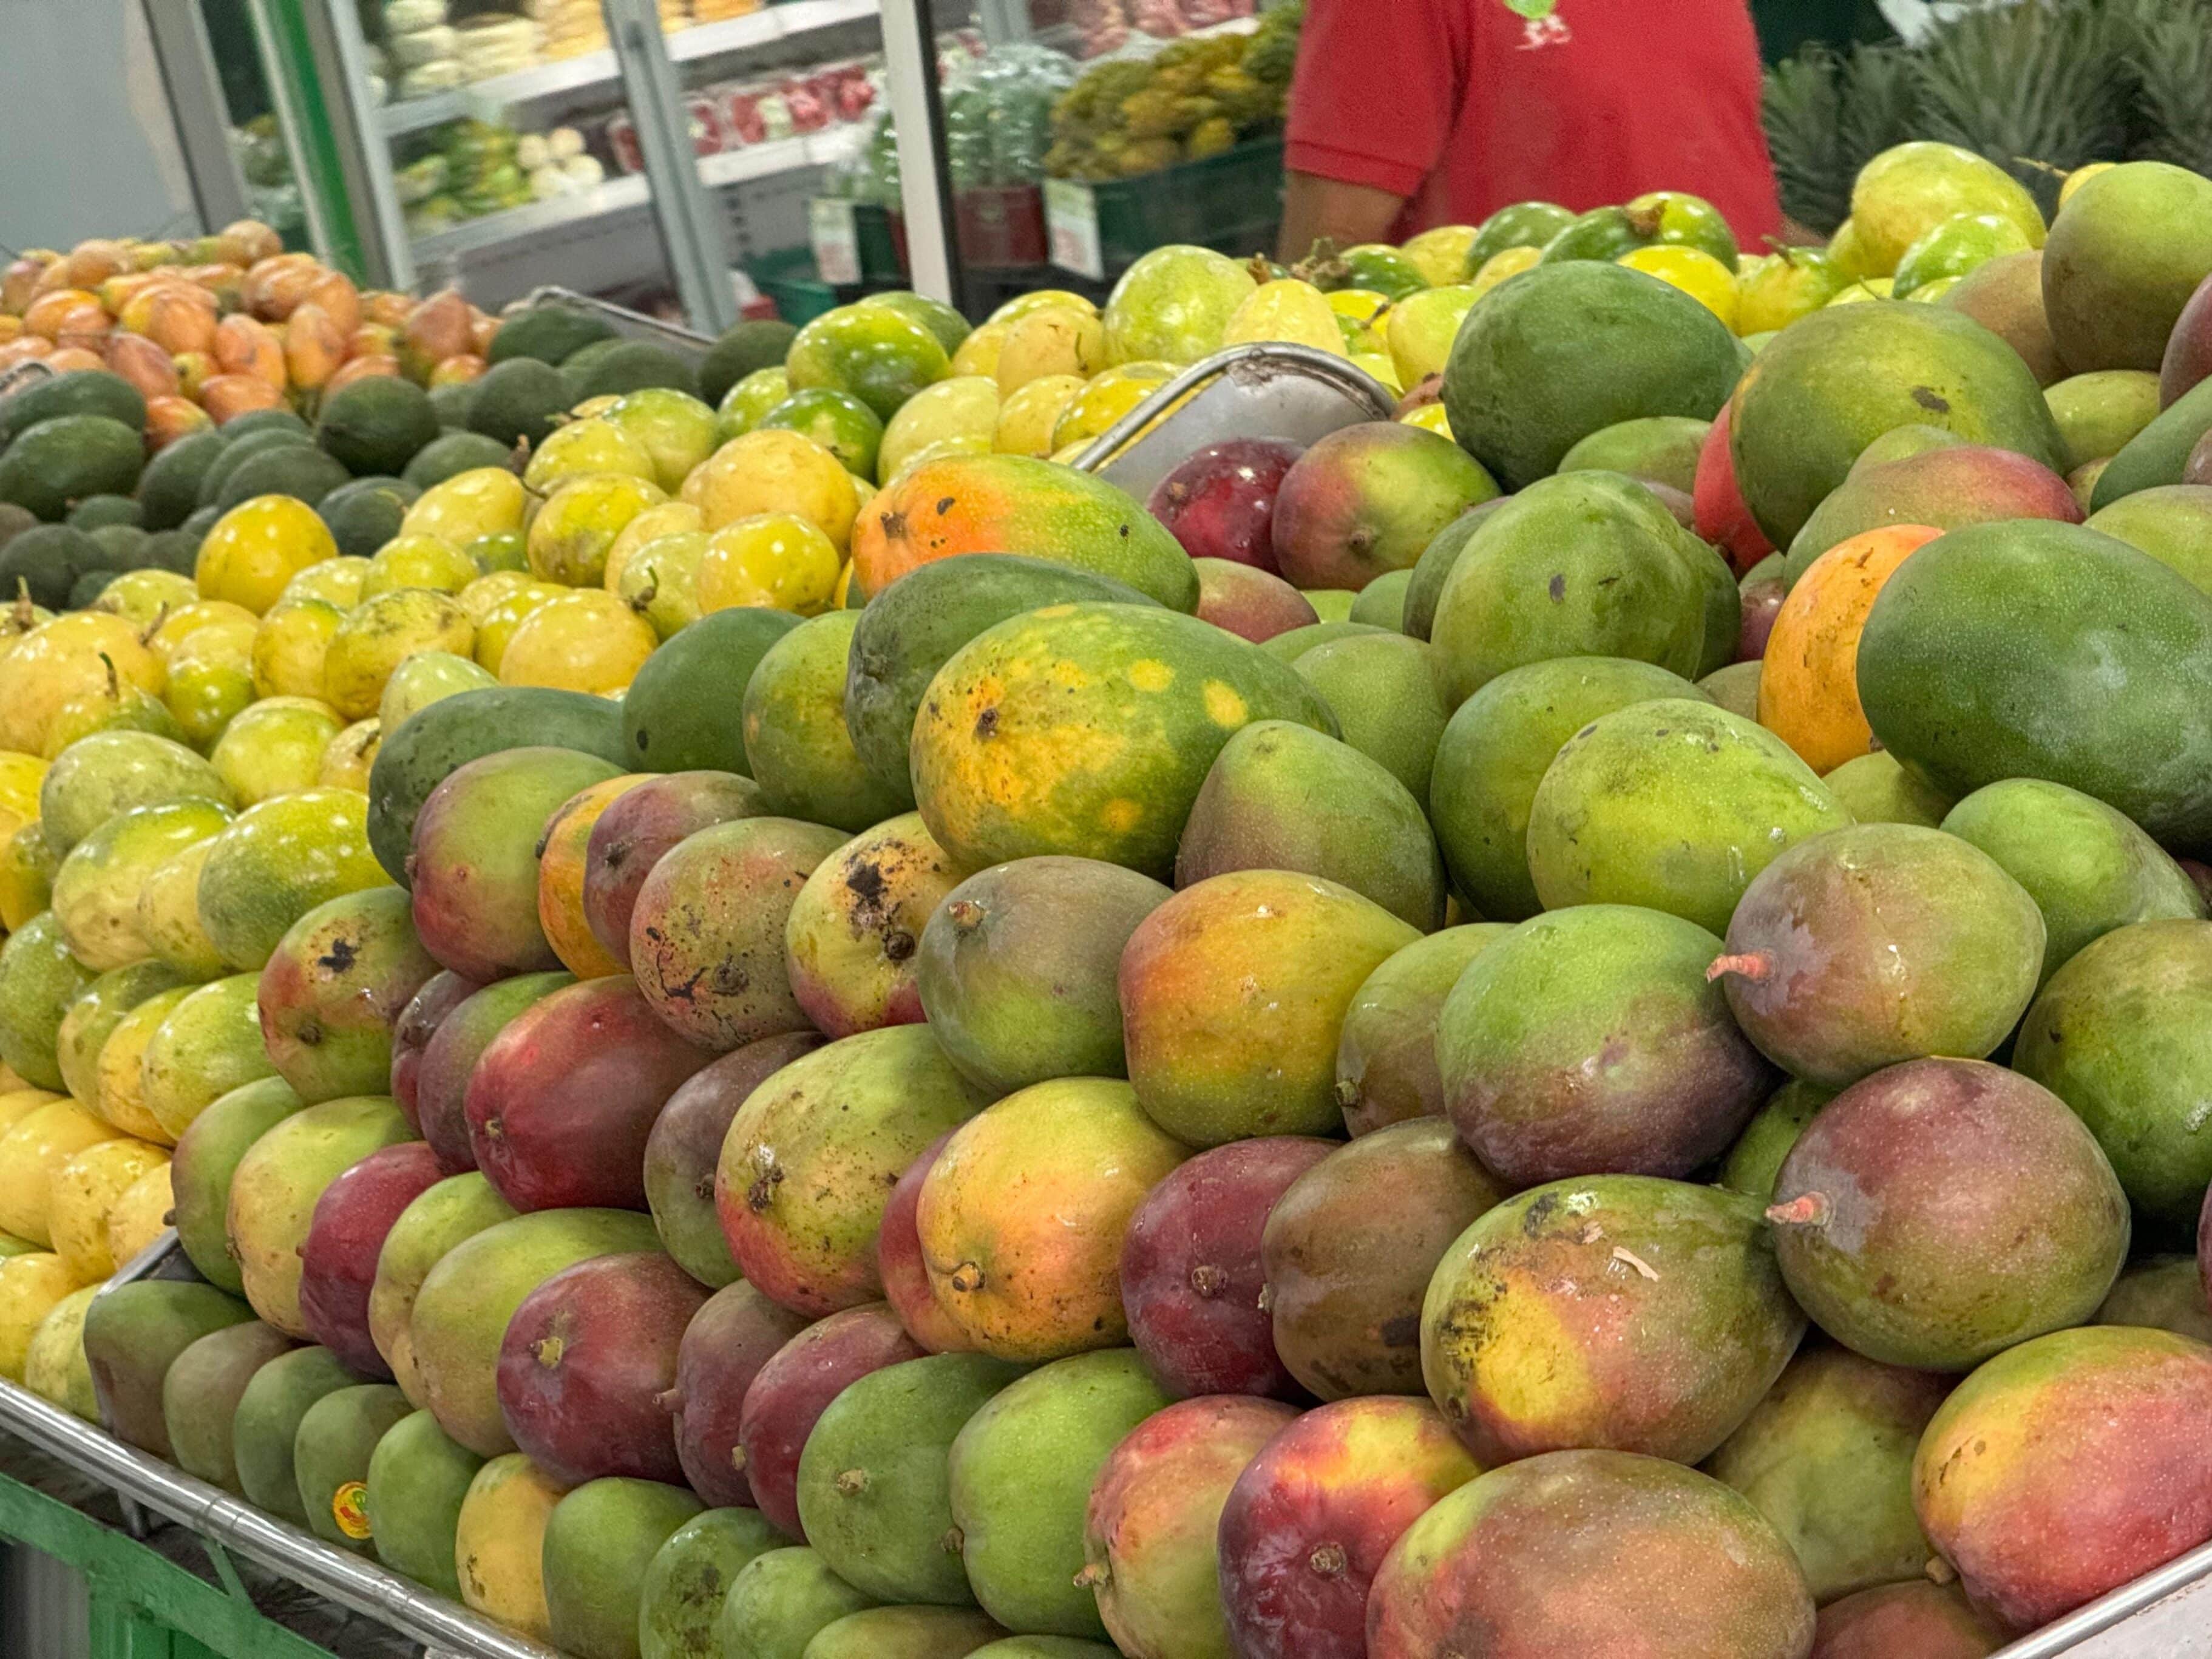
(1274, 390)
(24, 374)
(142, 1483)
(2165, 1615)
(686, 343)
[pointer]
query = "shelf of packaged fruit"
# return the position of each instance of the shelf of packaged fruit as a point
(489, 99)
(226, 1524)
(813, 149)
(757, 28)
(523, 224)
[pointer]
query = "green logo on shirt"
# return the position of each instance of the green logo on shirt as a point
(1535, 11)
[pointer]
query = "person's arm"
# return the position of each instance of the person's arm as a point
(1347, 213)
(1372, 105)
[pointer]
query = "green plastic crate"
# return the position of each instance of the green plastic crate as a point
(883, 244)
(1231, 202)
(789, 277)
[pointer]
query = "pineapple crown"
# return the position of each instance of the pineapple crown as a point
(2040, 87)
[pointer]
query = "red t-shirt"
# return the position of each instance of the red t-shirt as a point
(1464, 106)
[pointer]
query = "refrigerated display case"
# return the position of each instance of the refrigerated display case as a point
(693, 159)
(1081, 134)
(633, 149)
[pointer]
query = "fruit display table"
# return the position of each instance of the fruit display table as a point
(593, 1003)
(202, 1576)
(178, 1570)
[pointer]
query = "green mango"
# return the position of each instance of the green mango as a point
(1674, 805)
(1022, 1470)
(425, 749)
(598, 1551)
(418, 1477)
(875, 1482)
(2088, 869)
(913, 627)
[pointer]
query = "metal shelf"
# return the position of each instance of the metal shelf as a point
(813, 149)
(757, 28)
(486, 99)
(2161, 1615)
(631, 192)
(521, 224)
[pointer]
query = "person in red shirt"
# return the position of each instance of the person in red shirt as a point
(1410, 113)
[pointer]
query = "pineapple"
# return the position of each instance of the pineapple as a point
(1802, 106)
(2172, 64)
(1881, 103)
(2039, 87)
(1828, 115)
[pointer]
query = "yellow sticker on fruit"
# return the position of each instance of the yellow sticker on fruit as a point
(349, 1509)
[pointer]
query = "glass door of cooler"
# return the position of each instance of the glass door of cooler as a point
(640, 150)
(766, 102)
(477, 150)
(246, 135)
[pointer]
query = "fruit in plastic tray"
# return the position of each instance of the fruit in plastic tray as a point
(404, 16)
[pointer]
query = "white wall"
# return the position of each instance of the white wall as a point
(85, 144)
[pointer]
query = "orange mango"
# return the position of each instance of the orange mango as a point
(144, 364)
(334, 292)
(65, 310)
(224, 396)
(992, 504)
(168, 419)
(361, 368)
(255, 240)
(225, 281)
(19, 283)
(442, 326)
(276, 286)
(384, 306)
(373, 340)
(1808, 692)
(314, 347)
(1023, 1215)
(457, 371)
(560, 863)
(244, 346)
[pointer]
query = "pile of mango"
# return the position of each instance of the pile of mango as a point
(779, 1027)
(213, 327)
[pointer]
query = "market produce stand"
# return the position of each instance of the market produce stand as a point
(902, 1223)
(214, 1575)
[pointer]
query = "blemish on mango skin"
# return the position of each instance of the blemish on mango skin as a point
(1151, 674)
(1224, 707)
(1122, 815)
